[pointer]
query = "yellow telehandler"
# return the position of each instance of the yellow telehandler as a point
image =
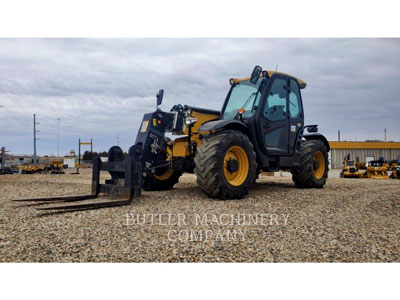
(260, 128)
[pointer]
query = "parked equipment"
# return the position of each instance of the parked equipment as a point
(376, 170)
(32, 168)
(395, 172)
(350, 170)
(56, 167)
(259, 129)
(361, 165)
(392, 165)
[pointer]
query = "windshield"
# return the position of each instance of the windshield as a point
(241, 93)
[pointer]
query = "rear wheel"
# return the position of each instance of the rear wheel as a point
(226, 165)
(313, 169)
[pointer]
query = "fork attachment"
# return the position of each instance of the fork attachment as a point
(124, 185)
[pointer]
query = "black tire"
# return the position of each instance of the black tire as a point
(151, 183)
(258, 172)
(210, 164)
(303, 176)
(154, 181)
(342, 174)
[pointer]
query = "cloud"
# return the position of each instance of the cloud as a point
(101, 87)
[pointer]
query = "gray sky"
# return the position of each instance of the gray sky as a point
(99, 87)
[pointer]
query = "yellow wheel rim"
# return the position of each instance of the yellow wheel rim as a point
(319, 172)
(239, 176)
(168, 172)
(164, 176)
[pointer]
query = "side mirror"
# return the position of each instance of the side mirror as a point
(160, 96)
(255, 74)
(312, 128)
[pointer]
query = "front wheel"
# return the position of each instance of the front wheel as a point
(226, 165)
(162, 179)
(313, 169)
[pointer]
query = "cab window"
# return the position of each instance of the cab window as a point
(294, 100)
(275, 107)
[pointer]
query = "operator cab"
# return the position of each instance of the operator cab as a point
(270, 104)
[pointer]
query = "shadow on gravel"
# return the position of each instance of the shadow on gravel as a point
(194, 191)
(259, 186)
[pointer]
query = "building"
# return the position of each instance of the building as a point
(362, 151)
(70, 162)
(13, 161)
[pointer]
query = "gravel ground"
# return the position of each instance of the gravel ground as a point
(350, 220)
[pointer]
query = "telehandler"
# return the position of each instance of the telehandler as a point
(260, 128)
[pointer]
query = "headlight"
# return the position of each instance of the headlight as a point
(190, 120)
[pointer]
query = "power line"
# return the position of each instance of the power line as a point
(18, 134)
(13, 115)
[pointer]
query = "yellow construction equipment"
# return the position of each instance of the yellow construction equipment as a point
(392, 165)
(260, 128)
(350, 170)
(56, 167)
(395, 172)
(32, 168)
(361, 165)
(376, 169)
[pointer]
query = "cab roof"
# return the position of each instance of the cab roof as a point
(302, 83)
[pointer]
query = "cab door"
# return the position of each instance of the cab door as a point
(275, 117)
(296, 116)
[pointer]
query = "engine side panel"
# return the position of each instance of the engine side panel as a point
(201, 119)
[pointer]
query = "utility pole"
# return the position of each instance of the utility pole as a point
(385, 134)
(79, 152)
(58, 137)
(3, 158)
(35, 160)
(91, 148)
(338, 135)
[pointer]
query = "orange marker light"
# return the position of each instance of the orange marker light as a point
(159, 121)
(241, 111)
